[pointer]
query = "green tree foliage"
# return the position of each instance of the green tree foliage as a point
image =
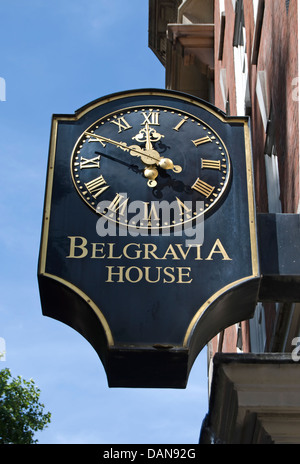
(21, 413)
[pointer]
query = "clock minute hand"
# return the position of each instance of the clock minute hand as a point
(134, 150)
(122, 145)
(133, 167)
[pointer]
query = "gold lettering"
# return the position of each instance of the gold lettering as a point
(202, 140)
(119, 274)
(137, 252)
(96, 186)
(90, 163)
(111, 252)
(184, 272)
(198, 258)
(184, 255)
(81, 246)
(181, 122)
(139, 274)
(170, 251)
(95, 250)
(218, 248)
(118, 205)
(147, 277)
(210, 164)
(121, 123)
(182, 207)
(203, 188)
(151, 118)
(169, 272)
(94, 139)
(151, 252)
(150, 215)
(152, 275)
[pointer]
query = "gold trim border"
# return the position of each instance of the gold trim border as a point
(48, 195)
(153, 92)
(89, 301)
(45, 232)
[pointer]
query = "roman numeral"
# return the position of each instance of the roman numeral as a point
(211, 164)
(183, 209)
(119, 203)
(121, 123)
(96, 186)
(150, 214)
(181, 122)
(151, 118)
(203, 140)
(93, 139)
(89, 163)
(203, 188)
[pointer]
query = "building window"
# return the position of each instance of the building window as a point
(224, 90)
(272, 171)
(261, 94)
(273, 183)
(222, 6)
(239, 25)
(257, 326)
(239, 338)
(222, 29)
(243, 101)
(258, 15)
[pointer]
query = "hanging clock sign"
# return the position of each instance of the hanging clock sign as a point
(149, 244)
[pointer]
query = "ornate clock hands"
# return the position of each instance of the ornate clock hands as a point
(150, 157)
(153, 136)
(148, 135)
(154, 139)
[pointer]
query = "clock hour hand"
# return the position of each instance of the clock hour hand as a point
(133, 167)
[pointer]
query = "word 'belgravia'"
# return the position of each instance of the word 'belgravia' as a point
(79, 248)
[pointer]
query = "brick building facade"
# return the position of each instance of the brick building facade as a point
(256, 67)
(243, 56)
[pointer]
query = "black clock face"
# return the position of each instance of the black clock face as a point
(142, 157)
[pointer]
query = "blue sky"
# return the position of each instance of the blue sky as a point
(55, 57)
